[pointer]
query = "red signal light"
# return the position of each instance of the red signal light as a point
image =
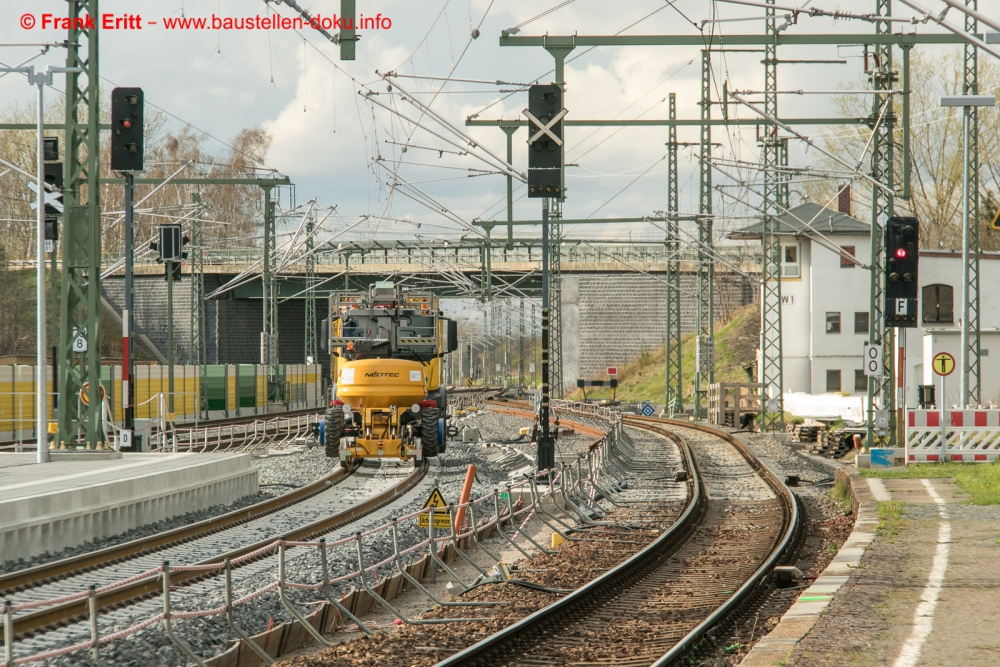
(901, 253)
(127, 123)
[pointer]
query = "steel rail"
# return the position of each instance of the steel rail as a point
(71, 611)
(791, 509)
(527, 414)
(19, 580)
(497, 643)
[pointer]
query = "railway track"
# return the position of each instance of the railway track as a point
(290, 517)
(654, 607)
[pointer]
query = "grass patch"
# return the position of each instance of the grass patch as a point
(841, 492)
(890, 519)
(644, 378)
(980, 480)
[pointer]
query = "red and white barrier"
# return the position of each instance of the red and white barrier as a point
(969, 435)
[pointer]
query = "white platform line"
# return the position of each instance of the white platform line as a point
(878, 489)
(923, 619)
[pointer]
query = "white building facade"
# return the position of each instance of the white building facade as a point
(825, 310)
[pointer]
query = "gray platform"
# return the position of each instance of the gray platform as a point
(52, 506)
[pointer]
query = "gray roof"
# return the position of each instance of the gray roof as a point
(821, 219)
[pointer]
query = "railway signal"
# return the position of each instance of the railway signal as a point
(126, 129)
(901, 258)
(545, 143)
(171, 249)
(53, 200)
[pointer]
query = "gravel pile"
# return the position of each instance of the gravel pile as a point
(494, 427)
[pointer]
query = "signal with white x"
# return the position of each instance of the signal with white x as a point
(545, 128)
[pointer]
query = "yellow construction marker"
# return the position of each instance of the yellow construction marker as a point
(556, 540)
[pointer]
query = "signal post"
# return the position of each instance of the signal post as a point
(545, 181)
(127, 156)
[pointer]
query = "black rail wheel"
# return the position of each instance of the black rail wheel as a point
(429, 431)
(333, 429)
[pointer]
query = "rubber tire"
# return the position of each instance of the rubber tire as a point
(429, 432)
(333, 429)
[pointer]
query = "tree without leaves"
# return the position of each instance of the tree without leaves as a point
(936, 142)
(233, 213)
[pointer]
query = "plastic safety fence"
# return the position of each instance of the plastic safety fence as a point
(955, 435)
(482, 517)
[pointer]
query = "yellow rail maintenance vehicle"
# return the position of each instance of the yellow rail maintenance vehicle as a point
(387, 348)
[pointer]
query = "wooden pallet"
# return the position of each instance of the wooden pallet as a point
(729, 401)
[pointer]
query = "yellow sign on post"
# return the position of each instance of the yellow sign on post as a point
(943, 364)
(442, 520)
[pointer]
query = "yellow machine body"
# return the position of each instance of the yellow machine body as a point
(381, 383)
(387, 347)
(380, 390)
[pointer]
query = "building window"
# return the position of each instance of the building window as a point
(844, 262)
(833, 322)
(861, 323)
(790, 261)
(937, 304)
(833, 380)
(860, 380)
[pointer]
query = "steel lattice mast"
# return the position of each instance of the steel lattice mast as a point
(198, 340)
(80, 297)
(881, 391)
(771, 379)
(269, 302)
(971, 385)
(674, 397)
(555, 301)
(705, 363)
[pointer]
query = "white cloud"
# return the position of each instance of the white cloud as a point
(223, 81)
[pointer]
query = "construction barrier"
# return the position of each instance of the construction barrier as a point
(968, 435)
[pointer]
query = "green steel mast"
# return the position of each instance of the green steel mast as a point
(79, 344)
(705, 366)
(771, 378)
(674, 398)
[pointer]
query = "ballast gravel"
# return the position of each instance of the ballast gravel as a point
(211, 635)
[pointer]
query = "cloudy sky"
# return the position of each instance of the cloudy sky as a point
(326, 135)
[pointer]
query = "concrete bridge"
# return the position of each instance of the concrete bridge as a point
(610, 291)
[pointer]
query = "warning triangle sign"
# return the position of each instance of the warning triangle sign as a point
(435, 499)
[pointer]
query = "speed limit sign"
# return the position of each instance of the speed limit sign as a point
(873, 360)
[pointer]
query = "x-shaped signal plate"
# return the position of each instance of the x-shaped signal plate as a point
(545, 128)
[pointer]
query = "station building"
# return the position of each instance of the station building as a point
(825, 309)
